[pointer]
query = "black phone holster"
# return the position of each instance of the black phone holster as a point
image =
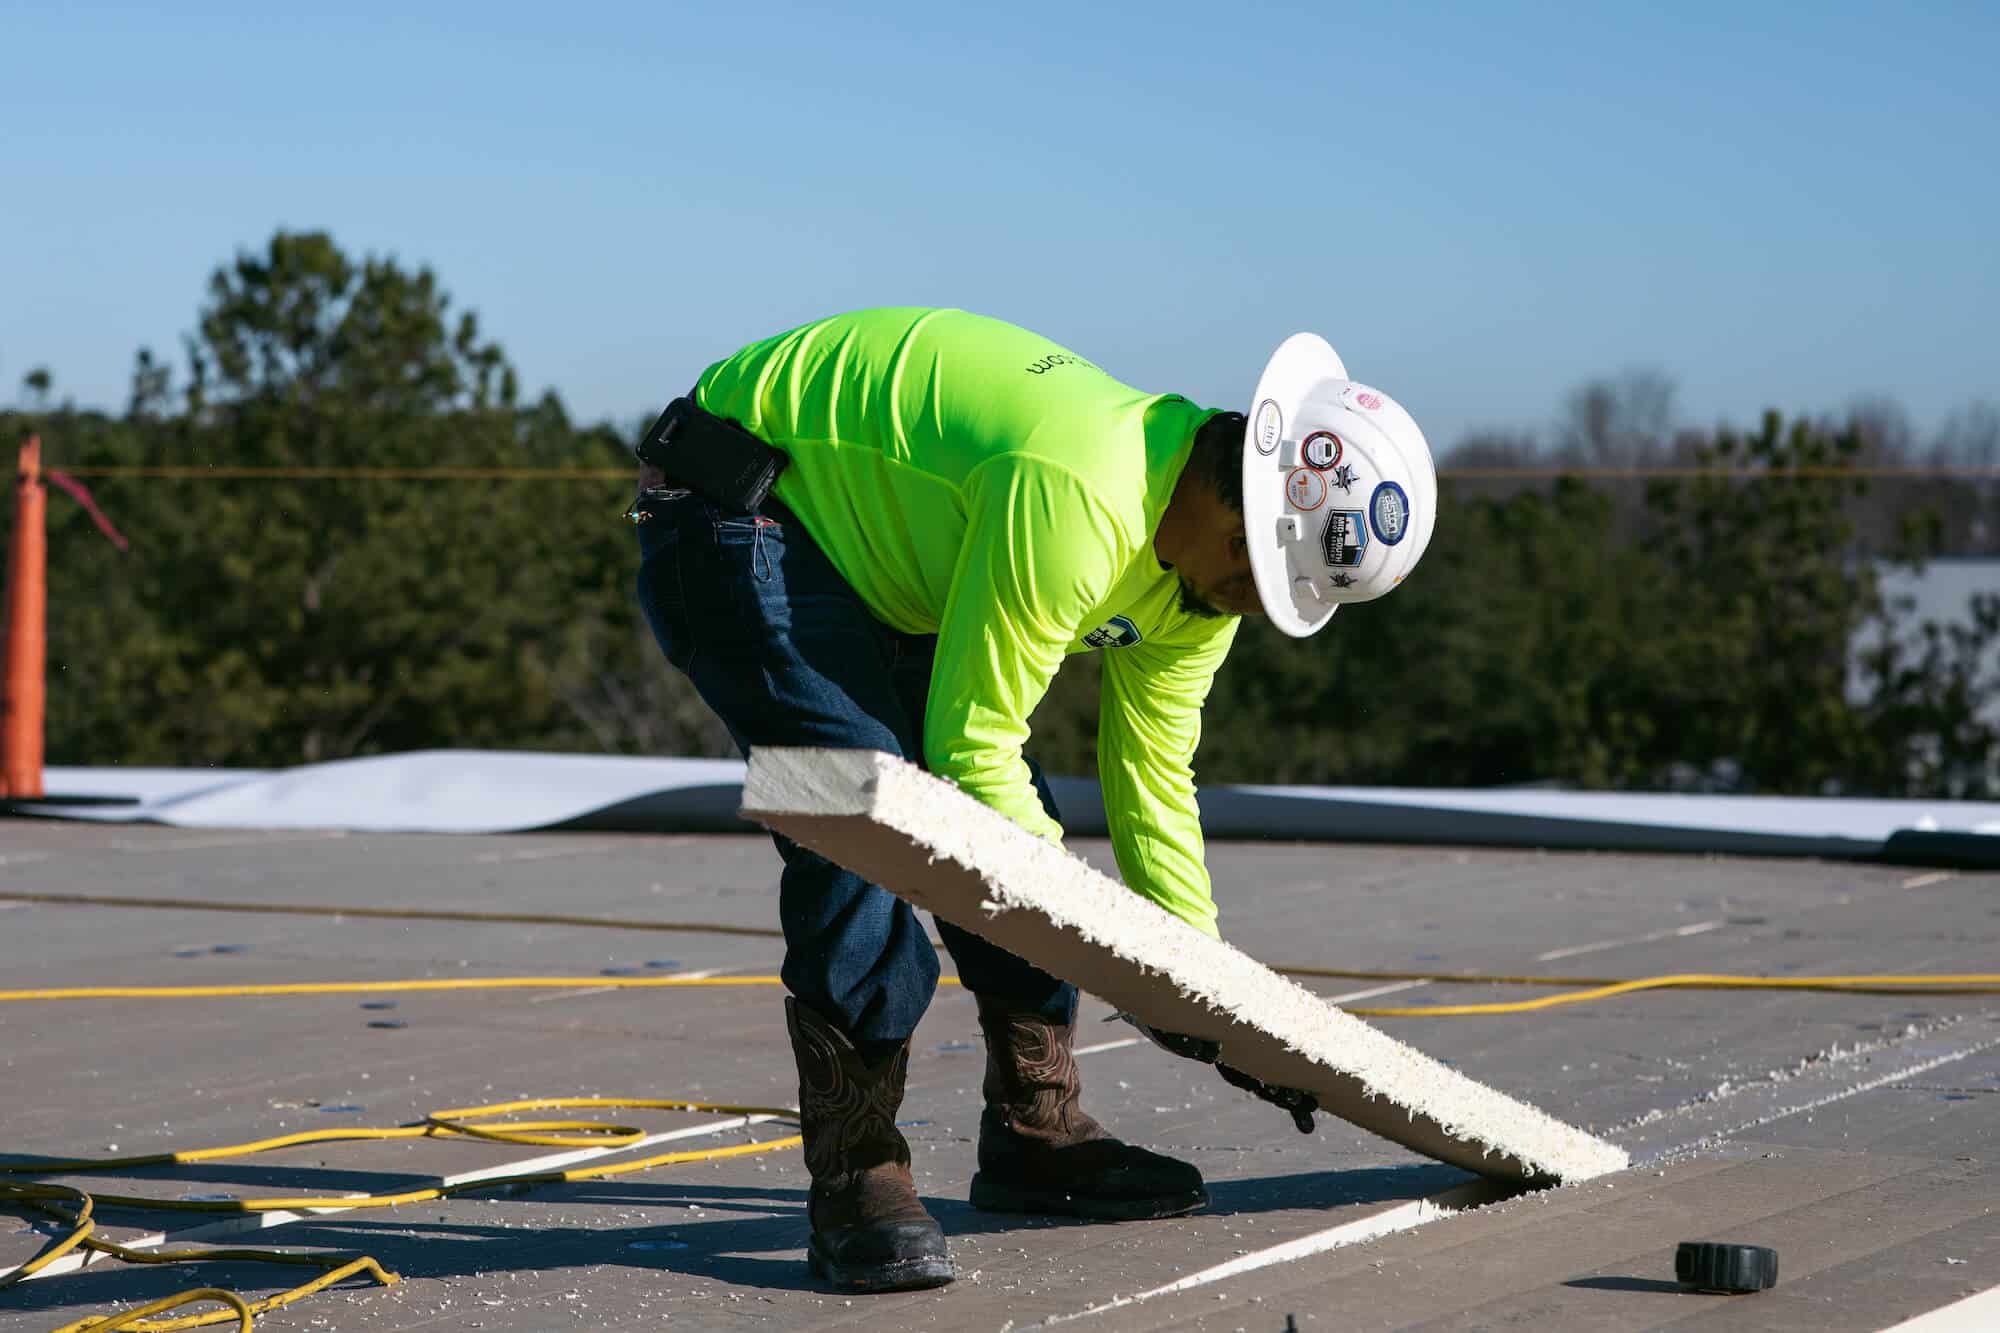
(712, 456)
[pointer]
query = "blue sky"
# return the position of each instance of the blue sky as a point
(1480, 205)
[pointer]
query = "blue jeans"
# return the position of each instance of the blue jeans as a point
(786, 653)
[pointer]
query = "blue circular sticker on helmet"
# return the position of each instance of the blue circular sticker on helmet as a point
(1389, 513)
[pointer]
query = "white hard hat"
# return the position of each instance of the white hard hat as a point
(1339, 491)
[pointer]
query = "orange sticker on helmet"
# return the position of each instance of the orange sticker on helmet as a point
(1305, 488)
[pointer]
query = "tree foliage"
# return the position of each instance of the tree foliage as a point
(1698, 635)
(270, 622)
(1703, 642)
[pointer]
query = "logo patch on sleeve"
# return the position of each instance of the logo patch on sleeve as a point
(1117, 632)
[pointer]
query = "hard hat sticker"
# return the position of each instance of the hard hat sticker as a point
(1322, 449)
(1389, 512)
(1268, 427)
(1344, 538)
(1343, 476)
(1305, 488)
(1364, 399)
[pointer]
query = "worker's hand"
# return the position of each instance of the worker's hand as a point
(1299, 1105)
(1294, 1102)
(1178, 1043)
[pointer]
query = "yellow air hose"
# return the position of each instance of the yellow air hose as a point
(466, 1122)
(474, 1122)
(1597, 988)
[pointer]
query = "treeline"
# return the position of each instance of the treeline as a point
(1693, 632)
(1948, 480)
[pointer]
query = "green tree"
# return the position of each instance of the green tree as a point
(1930, 707)
(1772, 596)
(1696, 636)
(1523, 649)
(1703, 643)
(35, 387)
(272, 622)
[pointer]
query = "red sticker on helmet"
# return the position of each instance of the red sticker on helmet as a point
(1322, 449)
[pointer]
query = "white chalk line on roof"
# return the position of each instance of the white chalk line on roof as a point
(1978, 1313)
(555, 1161)
(265, 1220)
(1401, 1217)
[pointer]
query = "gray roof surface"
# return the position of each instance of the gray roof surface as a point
(1857, 1133)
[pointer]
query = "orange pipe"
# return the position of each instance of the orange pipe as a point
(27, 626)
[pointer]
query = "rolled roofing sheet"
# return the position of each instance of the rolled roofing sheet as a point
(476, 791)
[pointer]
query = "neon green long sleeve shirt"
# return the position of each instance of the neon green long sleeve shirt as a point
(975, 481)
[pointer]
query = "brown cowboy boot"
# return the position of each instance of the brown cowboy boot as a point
(869, 1230)
(1039, 1152)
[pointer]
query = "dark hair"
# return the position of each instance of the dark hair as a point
(1218, 457)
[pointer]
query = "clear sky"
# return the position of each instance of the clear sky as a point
(1786, 204)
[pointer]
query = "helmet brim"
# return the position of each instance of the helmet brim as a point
(1301, 363)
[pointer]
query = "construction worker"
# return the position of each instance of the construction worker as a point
(886, 530)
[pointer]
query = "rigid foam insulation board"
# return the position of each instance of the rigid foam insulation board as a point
(931, 844)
